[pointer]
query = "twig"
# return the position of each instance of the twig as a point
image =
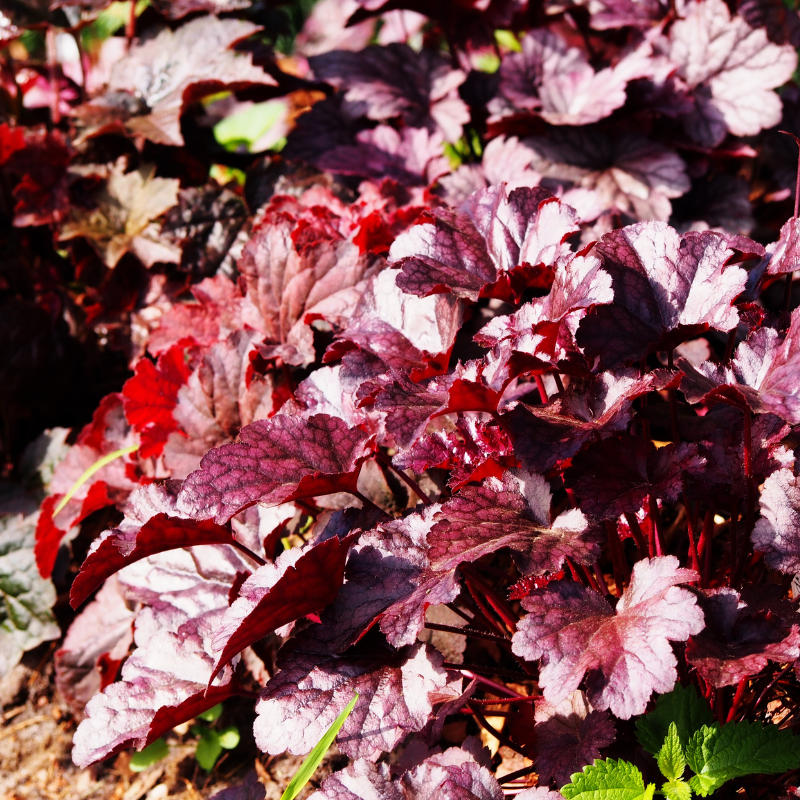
(26, 723)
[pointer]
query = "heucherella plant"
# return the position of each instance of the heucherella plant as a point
(714, 754)
(463, 380)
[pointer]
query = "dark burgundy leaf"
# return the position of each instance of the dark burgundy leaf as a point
(617, 475)
(667, 287)
(740, 637)
(513, 512)
(394, 81)
(251, 789)
(763, 375)
(300, 582)
(117, 548)
(569, 736)
(602, 406)
(777, 533)
(397, 693)
(626, 652)
(454, 774)
(274, 461)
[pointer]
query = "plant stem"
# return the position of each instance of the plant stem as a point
(621, 572)
(656, 535)
(249, 553)
(410, 482)
(673, 403)
(367, 502)
(706, 537)
(499, 605)
(503, 673)
(501, 737)
(559, 384)
(435, 626)
(520, 773)
(636, 530)
(498, 687)
(737, 699)
(540, 387)
(690, 529)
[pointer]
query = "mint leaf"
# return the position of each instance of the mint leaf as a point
(608, 780)
(718, 754)
(150, 755)
(676, 790)
(229, 738)
(208, 750)
(671, 760)
(683, 707)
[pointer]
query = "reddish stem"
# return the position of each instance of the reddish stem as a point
(435, 626)
(410, 482)
(540, 387)
(690, 529)
(487, 614)
(673, 403)
(576, 576)
(706, 538)
(130, 26)
(559, 384)
(520, 773)
(497, 687)
(501, 608)
(621, 572)
(737, 699)
(249, 553)
(367, 502)
(636, 530)
(52, 72)
(504, 700)
(750, 506)
(656, 536)
(600, 578)
(501, 737)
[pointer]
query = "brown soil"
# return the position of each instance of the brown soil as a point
(36, 728)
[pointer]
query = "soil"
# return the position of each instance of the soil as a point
(36, 728)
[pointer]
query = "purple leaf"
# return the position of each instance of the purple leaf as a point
(740, 637)
(454, 774)
(412, 156)
(103, 629)
(569, 736)
(625, 652)
(762, 376)
(300, 582)
(396, 697)
(251, 789)
(513, 512)
(406, 332)
(602, 406)
(667, 288)
(616, 475)
(557, 82)
(777, 533)
(117, 548)
(274, 461)
(391, 81)
(731, 68)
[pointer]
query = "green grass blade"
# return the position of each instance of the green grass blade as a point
(309, 766)
(99, 464)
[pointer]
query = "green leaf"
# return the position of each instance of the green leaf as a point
(150, 755)
(229, 738)
(25, 597)
(608, 780)
(683, 707)
(98, 465)
(208, 750)
(677, 790)
(719, 754)
(245, 128)
(313, 759)
(671, 760)
(212, 715)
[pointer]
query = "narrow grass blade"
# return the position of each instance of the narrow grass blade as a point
(309, 766)
(99, 464)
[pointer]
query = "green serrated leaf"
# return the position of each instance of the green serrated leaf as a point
(229, 738)
(608, 780)
(212, 715)
(676, 790)
(683, 707)
(208, 750)
(313, 759)
(719, 754)
(671, 760)
(150, 755)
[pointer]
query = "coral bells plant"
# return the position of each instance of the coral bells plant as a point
(455, 371)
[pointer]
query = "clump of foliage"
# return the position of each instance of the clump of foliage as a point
(454, 364)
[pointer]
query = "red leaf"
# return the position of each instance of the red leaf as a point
(118, 548)
(299, 583)
(150, 396)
